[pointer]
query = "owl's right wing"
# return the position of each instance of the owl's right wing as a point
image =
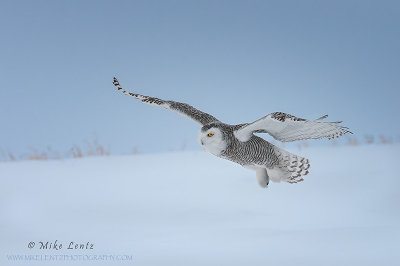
(285, 127)
(180, 108)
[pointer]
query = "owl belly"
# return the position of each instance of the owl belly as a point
(253, 153)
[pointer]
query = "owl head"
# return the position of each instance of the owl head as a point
(212, 139)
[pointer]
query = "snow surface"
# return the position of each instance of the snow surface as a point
(191, 208)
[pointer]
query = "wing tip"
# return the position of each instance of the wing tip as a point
(322, 117)
(115, 81)
(343, 131)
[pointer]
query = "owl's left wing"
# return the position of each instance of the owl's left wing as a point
(180, 108)
(285, 128)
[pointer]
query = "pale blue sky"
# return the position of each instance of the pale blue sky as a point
(238, 60)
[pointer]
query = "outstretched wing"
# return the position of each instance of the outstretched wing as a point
(285, 127)
(180, 108)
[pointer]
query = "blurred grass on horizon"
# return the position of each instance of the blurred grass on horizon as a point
(94, 148)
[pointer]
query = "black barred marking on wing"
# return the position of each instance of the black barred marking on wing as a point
(115, 81)
(322, 117)
(181, 108)
(343, 130)
(152, 100)
(143, 98)
(283, 116)
(192, 112)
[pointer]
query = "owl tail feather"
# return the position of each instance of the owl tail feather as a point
(291, 168)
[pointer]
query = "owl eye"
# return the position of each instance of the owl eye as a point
(210, 134)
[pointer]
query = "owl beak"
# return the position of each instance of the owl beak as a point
(202, 143)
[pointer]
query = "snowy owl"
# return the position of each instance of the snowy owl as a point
(238, 143)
